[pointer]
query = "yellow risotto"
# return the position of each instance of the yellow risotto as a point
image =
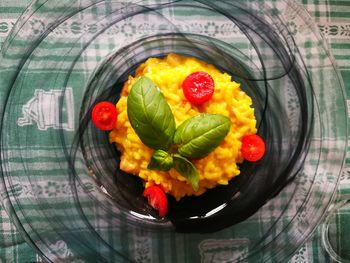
(228, 99)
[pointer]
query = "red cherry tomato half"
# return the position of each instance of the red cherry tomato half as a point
(157, 199)
(198, 87)
(253, 148)
(104, 115)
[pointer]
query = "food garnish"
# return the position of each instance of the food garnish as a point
(104, 115)
(198, 87)
(157, 199)
(150, 115)
(187, 170)
(161, 161)
(253, 147)
(198, 136)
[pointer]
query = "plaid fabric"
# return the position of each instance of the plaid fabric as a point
(333, 19)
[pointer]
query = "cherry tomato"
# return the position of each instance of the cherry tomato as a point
(198, 87)
(104, 115)
(253, 148)
(157, 199)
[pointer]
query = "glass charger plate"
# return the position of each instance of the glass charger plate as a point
(60, 177)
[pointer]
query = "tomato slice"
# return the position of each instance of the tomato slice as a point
(198, 87)
(104, 115)
(157, 199)
(253, 148)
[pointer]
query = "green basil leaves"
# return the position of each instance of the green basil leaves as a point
(161, 161)
(187, 170)
(150, 115)
(201, 134)
(151, 118)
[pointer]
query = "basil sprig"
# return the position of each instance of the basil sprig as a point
(150, 115)
(201, 134)
(151, 118)
(186, 168)
(161, 161)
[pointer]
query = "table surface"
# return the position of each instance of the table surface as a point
(333, 20)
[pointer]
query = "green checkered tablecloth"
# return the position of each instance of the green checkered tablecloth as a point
(333, 20)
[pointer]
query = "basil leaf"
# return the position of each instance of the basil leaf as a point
(161, 160)
(201, 134)
(187, 170)
(150, 115)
